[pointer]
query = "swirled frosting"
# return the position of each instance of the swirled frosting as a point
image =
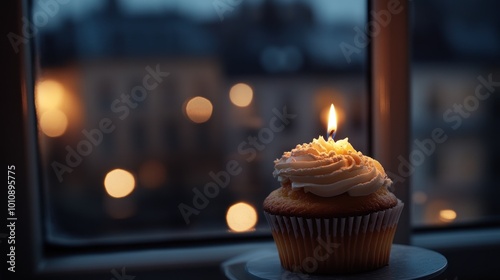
(330, 168)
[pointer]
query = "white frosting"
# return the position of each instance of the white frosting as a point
(330, 168)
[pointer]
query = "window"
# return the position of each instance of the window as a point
(161, 120)
(455, 50)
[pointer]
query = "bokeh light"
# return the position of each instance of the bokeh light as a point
(53, 123)
(447, 215)
(241, 217)
(49, 95)
(199, 109)
(119, 183)
(241, 95)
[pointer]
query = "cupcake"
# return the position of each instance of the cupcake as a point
(334, 212)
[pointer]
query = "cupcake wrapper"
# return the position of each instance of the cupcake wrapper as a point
(335, 245)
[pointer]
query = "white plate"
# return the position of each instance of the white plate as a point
(406, 262)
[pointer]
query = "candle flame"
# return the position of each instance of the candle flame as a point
(332, 122)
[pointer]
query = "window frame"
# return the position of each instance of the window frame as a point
(47, 259)
(37, 261)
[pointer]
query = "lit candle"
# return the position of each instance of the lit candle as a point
(332, 123)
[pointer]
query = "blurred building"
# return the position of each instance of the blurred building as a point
(288, 57)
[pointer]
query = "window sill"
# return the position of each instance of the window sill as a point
(177, 261)
(470, 254)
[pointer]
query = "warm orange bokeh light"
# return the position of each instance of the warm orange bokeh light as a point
(199, 109)
(119, 183)
(241, 217)
(447, 215)
(49, 95)
(332, 122)
(241, 95)
(53, 123)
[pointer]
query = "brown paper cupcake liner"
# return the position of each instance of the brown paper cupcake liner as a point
(335, 245)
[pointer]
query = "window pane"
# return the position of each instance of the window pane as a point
(162, 119)
(454, 125)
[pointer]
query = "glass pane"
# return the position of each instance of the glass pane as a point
(455, 112)
(156, 117)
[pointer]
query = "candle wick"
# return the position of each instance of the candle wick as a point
(331, 134)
